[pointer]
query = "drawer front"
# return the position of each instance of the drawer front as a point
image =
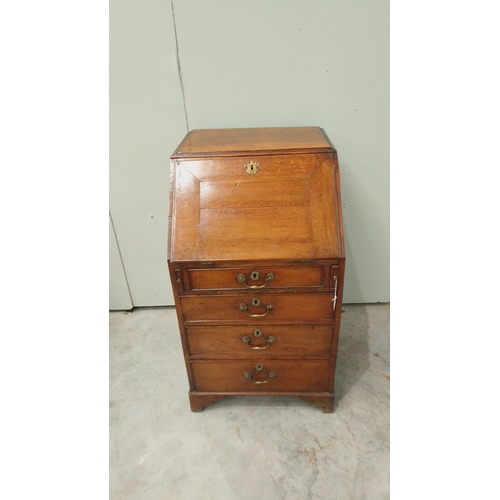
(241, 376)
(260, 341)
(304, 307)
(256, 278)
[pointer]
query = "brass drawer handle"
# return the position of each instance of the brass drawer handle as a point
(270, 375)
(255, 276)
(244, 307)
(258, 333)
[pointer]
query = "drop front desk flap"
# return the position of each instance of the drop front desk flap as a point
(256, 258)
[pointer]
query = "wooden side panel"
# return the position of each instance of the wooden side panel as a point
(324, 211)
(182, 330)
(170, 207)
(186, 216)
(338, 284)
(340, 223)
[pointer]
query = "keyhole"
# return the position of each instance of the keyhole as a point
(255, 302)
(251, 168)
(254, 275)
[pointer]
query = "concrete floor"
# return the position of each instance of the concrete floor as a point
(246, 448)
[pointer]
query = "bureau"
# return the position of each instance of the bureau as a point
(256, 260)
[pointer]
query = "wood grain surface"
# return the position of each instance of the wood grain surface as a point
(294, 306)
(290, 375)
(292, 341)
(285, 219)
(284, 277)
(218, 141)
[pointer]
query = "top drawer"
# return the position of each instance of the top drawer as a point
(256, 278)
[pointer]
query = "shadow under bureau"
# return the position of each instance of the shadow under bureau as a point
(256, 259)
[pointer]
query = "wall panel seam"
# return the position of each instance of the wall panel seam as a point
(179, 65)
(121, 259)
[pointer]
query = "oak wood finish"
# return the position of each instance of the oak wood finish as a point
(287, 307)
(228, 376)
(282, 216)
(289, 341)
(206, 226)
(199, 401)
(231, 141)
(284, 277)
(322, 400)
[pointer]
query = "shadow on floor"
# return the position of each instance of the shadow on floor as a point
(353, 350)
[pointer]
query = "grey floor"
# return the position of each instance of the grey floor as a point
(246, 448)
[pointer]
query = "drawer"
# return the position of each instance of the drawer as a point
(241, 376)
(305, 307)
(256, 278)
(260, 341)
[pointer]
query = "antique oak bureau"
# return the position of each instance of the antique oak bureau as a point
(256, 259)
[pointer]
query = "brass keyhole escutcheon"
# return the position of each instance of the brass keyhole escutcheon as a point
(257, 333)
(255, 302)
(254, 276)
(251, 167)
(259, 367)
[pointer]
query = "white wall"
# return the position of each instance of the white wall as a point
(249, 63)
(119, 295)
(146, 124)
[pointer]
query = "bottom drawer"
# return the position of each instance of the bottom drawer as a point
(266, 376)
